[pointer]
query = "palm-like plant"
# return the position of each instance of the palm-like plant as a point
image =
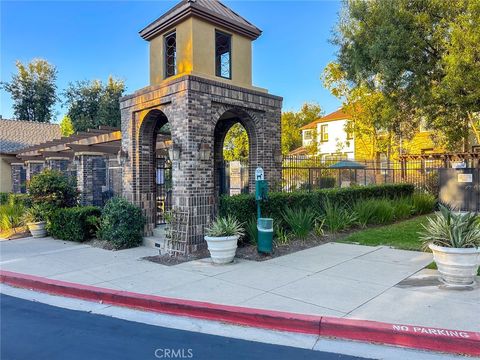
(225, 226)
(448, 229)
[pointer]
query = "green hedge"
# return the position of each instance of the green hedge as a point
(74, 224)
(121, 224)
(243, 207)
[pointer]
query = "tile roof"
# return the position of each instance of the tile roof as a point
(334, 116)
(210, 10)
(16, 134)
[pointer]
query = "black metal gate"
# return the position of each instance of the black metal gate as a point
(163, 181)
(460, 188)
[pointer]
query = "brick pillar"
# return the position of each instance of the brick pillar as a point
(19, 177)
(34, 167)
(91, 177)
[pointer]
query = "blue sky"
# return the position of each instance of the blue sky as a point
(95, 39)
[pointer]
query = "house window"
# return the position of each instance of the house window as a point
(323, 133)
(349, 131)
(307, 135)
(170, 55)
(223, 52)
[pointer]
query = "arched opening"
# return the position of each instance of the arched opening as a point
(155, 171)
(234, 153)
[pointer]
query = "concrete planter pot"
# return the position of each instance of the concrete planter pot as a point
(457, 267)
(37, 229)
(222, 249)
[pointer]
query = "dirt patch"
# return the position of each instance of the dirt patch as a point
(249, 252)
(175, 260)
(102, 244)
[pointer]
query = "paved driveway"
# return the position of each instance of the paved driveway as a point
(344, 280)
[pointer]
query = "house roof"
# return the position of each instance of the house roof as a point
(334, 116)
(212, 11)
(16, 135)
(302, 150)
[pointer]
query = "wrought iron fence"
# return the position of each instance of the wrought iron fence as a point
(309, 173)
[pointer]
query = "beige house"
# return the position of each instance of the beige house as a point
(16, 135)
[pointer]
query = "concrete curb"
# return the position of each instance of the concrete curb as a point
(417, 337)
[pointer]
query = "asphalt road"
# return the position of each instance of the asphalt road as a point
(31, 330)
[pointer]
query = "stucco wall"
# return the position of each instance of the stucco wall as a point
(196, 54)
(337, 139)
(5, 175)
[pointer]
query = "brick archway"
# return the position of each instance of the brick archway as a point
(224, 123)
(153, 121)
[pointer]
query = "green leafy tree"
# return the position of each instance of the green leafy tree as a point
(66, 126)
(33, 90)
(292, 121)
(405, 50)
(236, 145)
(93, 103)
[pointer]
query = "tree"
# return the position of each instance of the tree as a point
(66, 126)
(459, 90)
(92, 103)
(292, 121)
(376, 122)
(236, 145)
(401, 49)
(33, 90)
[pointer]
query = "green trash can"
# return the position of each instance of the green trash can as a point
(265, 235)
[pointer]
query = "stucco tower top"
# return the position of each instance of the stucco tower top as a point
(203, 38)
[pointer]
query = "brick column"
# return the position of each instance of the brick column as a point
(91, 177)
(19, 177)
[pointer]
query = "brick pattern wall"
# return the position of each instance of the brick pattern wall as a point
(34, 168)
(19, 177)
(91, 179)
(198, 110)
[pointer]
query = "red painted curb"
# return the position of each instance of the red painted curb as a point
(275, 320)
(418, 337)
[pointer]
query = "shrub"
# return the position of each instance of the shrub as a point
(299, 221)
(243, 206)
(224, 226)
(121, 224)
(384, 212)
(336, 217)
(53, 188)
(282, 236)
(423, 203)
(11, 216)
(327, 182)
(4, 198)
(35, 213)
(403, 208)
(448, 229)
(73, 224)
(251, 232)
(365, 211)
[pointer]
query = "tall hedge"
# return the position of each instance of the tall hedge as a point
(74, 224)
(243, 207)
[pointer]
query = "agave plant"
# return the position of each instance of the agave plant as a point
(453, 230)
(225, 226)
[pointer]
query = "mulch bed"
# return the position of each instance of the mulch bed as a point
(175, 260)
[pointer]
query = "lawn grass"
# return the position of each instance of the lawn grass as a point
(402, 235)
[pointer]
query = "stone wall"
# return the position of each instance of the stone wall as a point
(91, 178)
(198, 110)
(19, 178)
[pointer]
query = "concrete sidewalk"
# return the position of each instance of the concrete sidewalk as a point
(342, 280)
